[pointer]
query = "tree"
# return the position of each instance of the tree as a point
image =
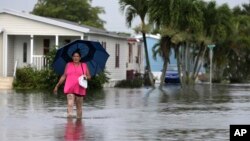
(237, 66)
(192, 25)
(79, 11)
(161, 13)
(229, 29)
(246, 9)
(218, 26)
(133, 8)
(181, 26)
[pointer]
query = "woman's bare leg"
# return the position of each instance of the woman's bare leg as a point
(70, 100)
(79, 101)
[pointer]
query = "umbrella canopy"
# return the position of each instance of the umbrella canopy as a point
(92, 53)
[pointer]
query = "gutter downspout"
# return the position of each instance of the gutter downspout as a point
(2, 30)
(31, 49)
(5, 52)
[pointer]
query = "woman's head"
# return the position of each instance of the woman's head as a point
(76, 56)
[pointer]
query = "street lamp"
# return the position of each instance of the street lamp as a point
(211, 60)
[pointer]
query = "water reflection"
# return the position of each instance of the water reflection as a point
(198, 113)
(74, 130)
(198, 94)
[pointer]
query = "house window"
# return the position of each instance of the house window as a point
(46, 44)
(138, 59)
(117, 55)
(25, 52)
(130, 53)
(104, 45)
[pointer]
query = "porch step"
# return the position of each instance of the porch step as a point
(6, 83)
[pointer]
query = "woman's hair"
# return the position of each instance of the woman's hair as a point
(77, 51)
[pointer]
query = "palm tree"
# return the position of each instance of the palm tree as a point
(170, 39)
(133, 8)
(237, 50)
(246, 8)
(218, 26)
(182, 22)
(162, 13)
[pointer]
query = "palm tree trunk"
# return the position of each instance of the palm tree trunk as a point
(186, 64)
(196, 63)
(165, 65)
(166, 48)
(201, 57)
(179, 65)
(148, 68)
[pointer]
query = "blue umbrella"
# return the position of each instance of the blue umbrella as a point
(92, 53)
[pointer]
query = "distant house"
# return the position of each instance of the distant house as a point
(26, 38)
(156, 64)
(135, 62)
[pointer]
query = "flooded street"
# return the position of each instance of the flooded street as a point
(199, 113)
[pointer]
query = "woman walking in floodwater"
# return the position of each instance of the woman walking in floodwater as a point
(72, 89)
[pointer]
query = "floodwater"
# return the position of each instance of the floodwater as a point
(198, 113)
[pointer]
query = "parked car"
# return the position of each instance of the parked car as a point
(172, 75)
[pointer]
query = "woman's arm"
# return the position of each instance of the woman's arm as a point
(61, 80)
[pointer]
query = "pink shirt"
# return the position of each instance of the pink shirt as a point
(72, 73)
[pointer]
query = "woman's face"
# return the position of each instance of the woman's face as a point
(76, 57)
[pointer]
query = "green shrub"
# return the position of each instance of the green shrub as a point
(24, 78)
(137, 82)
(98, 81)
(134, 83)
(30, 78)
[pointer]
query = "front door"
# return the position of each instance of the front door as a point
(46, 44)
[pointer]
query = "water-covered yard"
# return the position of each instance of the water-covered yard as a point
(199, 113)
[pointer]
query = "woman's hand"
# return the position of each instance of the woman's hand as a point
(85, 77)
(88, 73)
(61, 80)
(55, 90)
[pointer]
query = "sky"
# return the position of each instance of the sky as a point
(115, 20)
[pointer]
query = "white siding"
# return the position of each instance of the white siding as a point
(19, 40)
(139, 67)
(1, 54)
(115, 73)
(10, 62)
(17, 25)
(38, 44)
(18, 50)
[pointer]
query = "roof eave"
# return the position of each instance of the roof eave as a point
(106, 34)
(46, 20)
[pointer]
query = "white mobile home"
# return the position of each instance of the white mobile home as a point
(26, 38)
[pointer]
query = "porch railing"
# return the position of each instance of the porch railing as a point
(40, 62)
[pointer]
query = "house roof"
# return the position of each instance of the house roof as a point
(44, 20)
(133, 40)
(93, 30)
(149, 36)
(64, 23)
